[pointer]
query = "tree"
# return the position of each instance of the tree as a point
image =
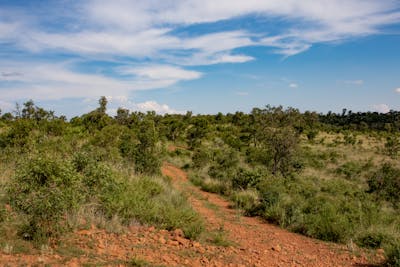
(274, 134)
(282, 144)
(146, 157)
(197, 131)
(122, 116)
(102, 105)
(97, 119)
(29, 110)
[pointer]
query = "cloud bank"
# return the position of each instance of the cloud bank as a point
(155, 44)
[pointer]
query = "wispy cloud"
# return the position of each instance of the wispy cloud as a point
(145, 28)
(150, 46)
(57, 81)
(397, 90)
(382, 108)
(354, 82)
(121, 101)
(161, 72)
(159, 108)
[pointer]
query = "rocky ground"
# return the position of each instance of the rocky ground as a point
(231, 240)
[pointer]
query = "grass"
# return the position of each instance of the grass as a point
(69, 250)
(218, 237)
(328, 199)
(138, 262)
(80, 189)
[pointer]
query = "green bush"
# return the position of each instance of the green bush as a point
(211, 185)
(350, 170)
(246, 200)
(200, 158)
(392, 146)
(385, 184)
(151, 201)
(44, 190)
(246, 178)
(286, 212)
(392, 252)
(324, 221)
(373, 238)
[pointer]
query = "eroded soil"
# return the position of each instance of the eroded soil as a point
(233, 240)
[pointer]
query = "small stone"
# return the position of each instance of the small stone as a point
(196, 244)
(173, 243)
(277, 248)
(178, 232)
(162, 240)
(380, 251)
(182, 241)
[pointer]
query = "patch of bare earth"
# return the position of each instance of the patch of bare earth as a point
(252, 242)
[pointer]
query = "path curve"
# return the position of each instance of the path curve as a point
(260, 243)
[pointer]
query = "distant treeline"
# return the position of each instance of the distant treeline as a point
(346, 120)
(363, 120)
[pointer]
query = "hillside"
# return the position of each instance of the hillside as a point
(274, 187)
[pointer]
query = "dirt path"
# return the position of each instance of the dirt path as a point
(259, 243)
(250, 242)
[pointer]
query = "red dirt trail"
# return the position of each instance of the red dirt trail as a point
(251, 242)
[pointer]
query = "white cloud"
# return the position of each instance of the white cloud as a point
(162, 72)
(382, 108)
(122, 101)
(57, 81)
(122, 31)
(293, 85)
(354, 82)
(397, 90)
(318, 21)
(158, 108)
(144, 28)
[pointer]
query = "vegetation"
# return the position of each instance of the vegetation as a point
(57, 176)
(334, 177)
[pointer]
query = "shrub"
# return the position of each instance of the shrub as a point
(311, 134)
(246, 178)
(373, 238)
(392, 252)
(246, 200)
(349, 170)
(392, 146)
(200, 158)
(44, 190)
(286, 212)
(385, 184)
(325, 222)
(151, 201)
(224, 166)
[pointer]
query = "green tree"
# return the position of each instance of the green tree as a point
(197, 130)
(97, 119)
(146, 157)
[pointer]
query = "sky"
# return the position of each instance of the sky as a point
(204, 56)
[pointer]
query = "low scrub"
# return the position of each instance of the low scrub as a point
(44, 191)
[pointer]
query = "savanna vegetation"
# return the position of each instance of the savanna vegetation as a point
(335, 177)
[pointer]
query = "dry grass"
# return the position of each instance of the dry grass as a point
(367, 149)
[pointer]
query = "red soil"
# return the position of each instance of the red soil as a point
(254, 242)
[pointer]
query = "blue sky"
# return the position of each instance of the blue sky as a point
(200, 55)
